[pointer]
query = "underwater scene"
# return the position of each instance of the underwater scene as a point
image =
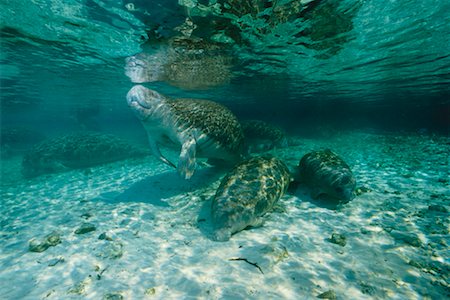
(224, 149)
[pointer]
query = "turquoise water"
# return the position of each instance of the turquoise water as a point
(368, 79)
(288, 57)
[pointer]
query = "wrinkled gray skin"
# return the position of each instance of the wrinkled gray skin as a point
(246, 194)
(325, 173)
(201, 128)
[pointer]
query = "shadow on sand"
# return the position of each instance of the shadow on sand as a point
(158, 188)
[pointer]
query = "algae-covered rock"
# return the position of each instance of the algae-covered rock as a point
(338, 239)
(104, 236)
(85, 228)
(113, 296)
(77, 150)
(50, 240)
(328, 295)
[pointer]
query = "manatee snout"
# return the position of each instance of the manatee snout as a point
(142, 100)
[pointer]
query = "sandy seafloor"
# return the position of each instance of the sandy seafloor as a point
(159, 245)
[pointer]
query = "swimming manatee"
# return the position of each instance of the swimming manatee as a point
(201, 128)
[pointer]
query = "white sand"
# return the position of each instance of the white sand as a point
(161, 248)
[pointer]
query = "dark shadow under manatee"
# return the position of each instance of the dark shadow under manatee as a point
(302, 192)
(155, 189)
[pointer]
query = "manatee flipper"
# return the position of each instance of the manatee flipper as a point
(186, 161)
(257, 222)
(155, 150)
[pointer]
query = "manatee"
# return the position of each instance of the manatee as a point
(201, 127)
(16, 140)
(183, 61)
(325, 173)
(260, 135)
(76, 150)
(246, 194)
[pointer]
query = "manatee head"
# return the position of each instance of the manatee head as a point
(222, 234)
(343, 187)
(143, 101)
(231, 220)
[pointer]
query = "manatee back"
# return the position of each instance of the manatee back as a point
(247, 192)
(327, 173)
(260, 130)
(212, 119)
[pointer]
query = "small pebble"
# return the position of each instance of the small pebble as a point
(408, 238)
(328, 295)
(338, 239)
(36, 246)
(113, 296)
(50, 240)
(415, 264)
(438, 208)
(150, 291)
(104, 236)
(87, 215)
(85, 228)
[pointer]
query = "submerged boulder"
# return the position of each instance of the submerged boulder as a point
(76, 150)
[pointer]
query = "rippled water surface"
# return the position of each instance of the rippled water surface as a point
(69, 55)
(86, 211)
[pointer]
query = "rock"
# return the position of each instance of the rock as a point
(50, 240)
(150, 291)
(87, 215)
(328, 295)
(85, 228)
(366, 288)
(113, 250)
(338, 239)
(113, 296)
(104, 236)
(362, 190)
(36, 246)
(437, 208)
(53, 239)
(408, 238)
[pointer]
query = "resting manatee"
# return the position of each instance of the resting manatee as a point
(262, 136)
(77, 150)
(202, 128)
(324, 172)
(246, 193)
